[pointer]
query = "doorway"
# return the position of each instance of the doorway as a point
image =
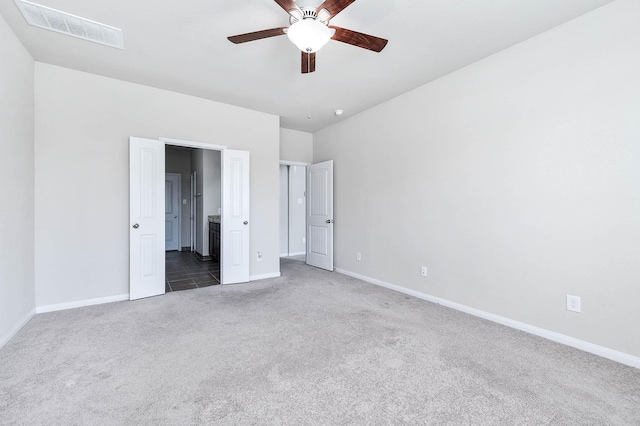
(306, 213)
(293, 178)
(232, 221)
(196, 265)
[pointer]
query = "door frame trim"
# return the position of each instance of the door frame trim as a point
(294, 163)
(192, 144)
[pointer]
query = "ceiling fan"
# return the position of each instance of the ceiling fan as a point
(310, 29)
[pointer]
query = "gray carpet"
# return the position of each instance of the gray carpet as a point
(309, 348)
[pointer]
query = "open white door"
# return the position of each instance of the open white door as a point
(235, 217)
(146, 207)
(320, 215)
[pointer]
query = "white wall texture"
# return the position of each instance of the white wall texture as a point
(296, 146)
(516, 180)
(82, 126)
(17, 299)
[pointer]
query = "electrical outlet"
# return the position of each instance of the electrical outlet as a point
(573, 303)
(423, 271)
(358, 257)
(259, 256)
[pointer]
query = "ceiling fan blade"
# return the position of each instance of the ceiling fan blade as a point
(334, 6)
(308, 62)
(288, 5)
(257, 35)
(359, 39)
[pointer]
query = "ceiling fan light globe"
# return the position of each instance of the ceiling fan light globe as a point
(309, 35)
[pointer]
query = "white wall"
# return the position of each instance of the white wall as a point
(82, 126)
(296, 146)
(516, 180)
(178, 160)
(17, 300)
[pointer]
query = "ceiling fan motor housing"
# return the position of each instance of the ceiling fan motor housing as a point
(308, 13)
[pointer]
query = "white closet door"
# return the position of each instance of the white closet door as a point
(320, 215)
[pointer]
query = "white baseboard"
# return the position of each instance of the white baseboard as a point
(5, 339)
(264, 276)
(602, 351)
(81, 303)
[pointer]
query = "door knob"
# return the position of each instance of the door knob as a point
(245, 222)
(175, 217)
(136, 226)
(329, 221)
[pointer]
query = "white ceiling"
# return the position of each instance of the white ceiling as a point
(182, 46)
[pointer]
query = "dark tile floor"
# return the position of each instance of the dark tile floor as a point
(185, 271)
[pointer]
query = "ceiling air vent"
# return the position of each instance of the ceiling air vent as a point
(65, 23)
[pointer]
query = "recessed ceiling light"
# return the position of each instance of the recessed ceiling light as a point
(338, 112)
(65, 23)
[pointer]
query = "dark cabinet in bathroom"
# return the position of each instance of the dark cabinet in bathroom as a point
(214, 241)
